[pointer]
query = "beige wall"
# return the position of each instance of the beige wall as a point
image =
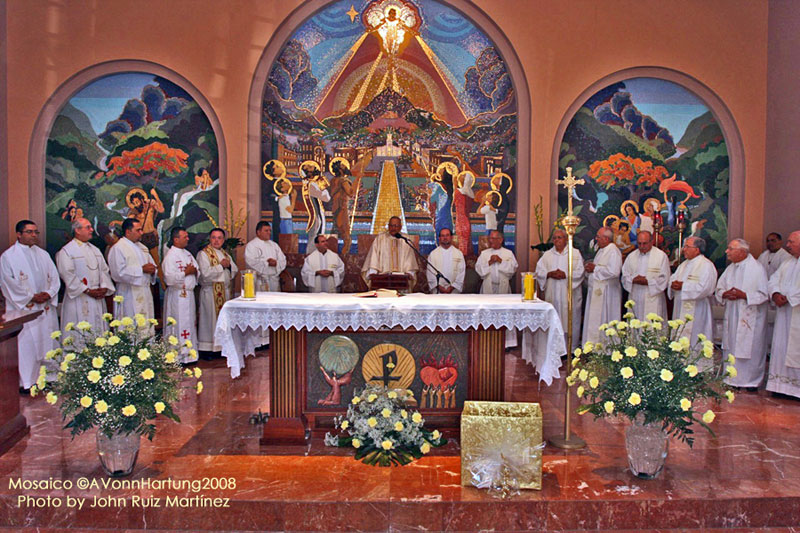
(564, 46)
(783, 118)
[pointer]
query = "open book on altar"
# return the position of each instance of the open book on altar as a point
(378, 293)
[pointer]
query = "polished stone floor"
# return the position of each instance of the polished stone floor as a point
(746, 477)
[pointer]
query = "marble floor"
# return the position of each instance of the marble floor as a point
(746, 477)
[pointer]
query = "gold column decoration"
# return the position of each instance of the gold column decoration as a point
(570, 223)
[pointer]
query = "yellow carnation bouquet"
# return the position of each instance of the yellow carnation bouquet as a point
(382, 428)
(648, 370)
(117, 380)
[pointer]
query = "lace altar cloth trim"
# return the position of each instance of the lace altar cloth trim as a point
(240, 323)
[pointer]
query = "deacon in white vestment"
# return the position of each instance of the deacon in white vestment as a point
(604, 295)
(645, 275)
(29, 281)
(391, 253)
(784, 289)
(692, 287)
(217, 271)
(450, 262)
(263, 255)
(551, 276)
(742, 289)
(86, 278)
(133, 270)
(774, 255)
(180, 276)
(323, 270)
(496, 266)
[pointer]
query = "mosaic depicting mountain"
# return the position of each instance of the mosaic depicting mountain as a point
(610, 127)
(487, 82)
(163, 132)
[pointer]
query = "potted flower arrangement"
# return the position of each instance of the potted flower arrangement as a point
(382, 429)
(649, 372)
(118, 381)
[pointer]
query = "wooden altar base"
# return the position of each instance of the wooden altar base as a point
(746, 478)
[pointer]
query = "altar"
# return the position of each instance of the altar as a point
(445, 348)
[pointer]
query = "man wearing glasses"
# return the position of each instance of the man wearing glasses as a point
(29, 281)
(86, 277)
(692, 286)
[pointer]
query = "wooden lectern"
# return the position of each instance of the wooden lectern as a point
(13, 425)
(398, 282)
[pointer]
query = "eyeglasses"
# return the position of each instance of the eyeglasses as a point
(31, 231)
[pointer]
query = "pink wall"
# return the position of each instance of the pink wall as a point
(563, 46)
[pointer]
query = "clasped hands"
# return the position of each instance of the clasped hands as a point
(779, 299)
(734, 294)
(324, 273)
(557, 274)
(97, 293)
(495, 259)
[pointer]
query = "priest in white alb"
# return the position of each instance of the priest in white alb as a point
(391, 253)
(29, 282)
(496, 266)
(180, 276)
(742, 289)
(263, 255)
(217, 269)
(774, 255)
(551, 276)
(784, 290)
(692, 287)
(132, 269)
(86, 278)
(604, 295)
(323, 270)
(449, 260)
(645, 275)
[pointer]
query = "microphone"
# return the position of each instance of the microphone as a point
(399, 236)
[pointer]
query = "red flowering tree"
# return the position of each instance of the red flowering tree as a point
(620, 169)
(149, 161)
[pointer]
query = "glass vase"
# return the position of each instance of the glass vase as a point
(118, 453)
(647, 446)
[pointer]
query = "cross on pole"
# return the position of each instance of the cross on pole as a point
(570, 182)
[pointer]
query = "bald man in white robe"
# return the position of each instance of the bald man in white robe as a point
(551, 276)
(86, 278)
(645, 275)
(692, 287)
(742, 289)
(604, 294)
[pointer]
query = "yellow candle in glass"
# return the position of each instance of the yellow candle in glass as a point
(529, 287)
(249, 285)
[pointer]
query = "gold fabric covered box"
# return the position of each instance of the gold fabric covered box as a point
(501, 439)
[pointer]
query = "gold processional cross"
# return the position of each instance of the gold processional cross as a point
(570, 182)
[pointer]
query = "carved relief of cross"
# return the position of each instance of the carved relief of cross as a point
(185, 334)
(570, 182)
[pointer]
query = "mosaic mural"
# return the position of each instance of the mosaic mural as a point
(415, 101)
(648, 148)
(131, 144)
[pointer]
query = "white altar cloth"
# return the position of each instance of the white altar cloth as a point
(240, 322)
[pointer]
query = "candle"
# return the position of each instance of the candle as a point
(528, 286)
(248, 285)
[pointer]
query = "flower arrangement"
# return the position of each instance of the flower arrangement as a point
(118, 380)
(381, 428)
(649, 370)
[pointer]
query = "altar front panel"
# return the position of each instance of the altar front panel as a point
(434, 365)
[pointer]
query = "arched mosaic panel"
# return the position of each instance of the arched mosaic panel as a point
(397, 88)
(648, 147)
(131, 144)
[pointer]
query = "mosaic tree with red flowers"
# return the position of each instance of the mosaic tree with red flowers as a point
(147, 162)
(620, 169)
